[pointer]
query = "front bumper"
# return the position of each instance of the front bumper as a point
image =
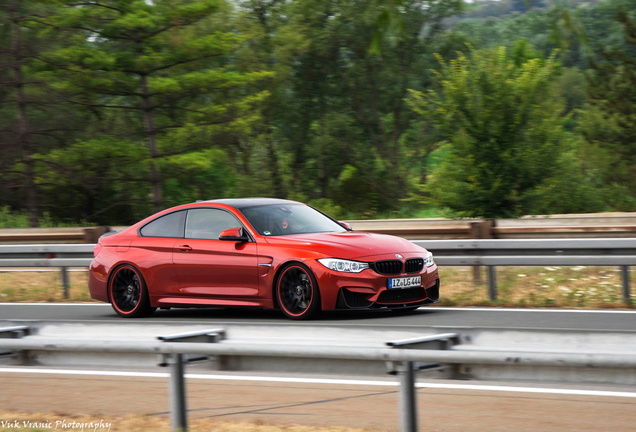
(369, 289)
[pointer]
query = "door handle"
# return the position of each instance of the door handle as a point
(184, 248)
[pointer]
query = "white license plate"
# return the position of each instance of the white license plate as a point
(405, 282)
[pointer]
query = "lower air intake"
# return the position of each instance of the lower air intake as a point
(433, 292)
(355, 299)
(401, 295)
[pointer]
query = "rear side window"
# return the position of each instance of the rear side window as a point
(170, 225)
(209, 223)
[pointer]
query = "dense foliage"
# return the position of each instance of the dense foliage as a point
(112, 109)
(510, 153)
(609, 123)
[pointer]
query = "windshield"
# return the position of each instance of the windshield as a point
(274, 220)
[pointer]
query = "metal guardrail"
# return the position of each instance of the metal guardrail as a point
(61, 256)
(594, 225)
(52, 235)
(490, 253)
(403, 359)
(427, 228)
(45, 255)
(532, 252)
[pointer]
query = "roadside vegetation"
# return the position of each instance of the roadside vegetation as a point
(564, 287)
(43, 286)
(20, 219)
(365, 109)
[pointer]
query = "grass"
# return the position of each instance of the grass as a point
(565, 287)
(20, 286)
(48, 421)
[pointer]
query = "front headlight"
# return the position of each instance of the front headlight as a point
(428, 261)
(343, 265)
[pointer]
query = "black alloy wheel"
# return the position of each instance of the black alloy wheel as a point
(297, 292)
(128, 293)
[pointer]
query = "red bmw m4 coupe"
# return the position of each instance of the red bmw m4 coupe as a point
(257, 252)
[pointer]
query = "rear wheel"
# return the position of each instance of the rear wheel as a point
(297, 292)
(128, 293)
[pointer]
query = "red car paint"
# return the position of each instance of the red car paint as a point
(182, 272)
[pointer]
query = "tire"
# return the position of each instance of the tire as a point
(297, 292)
(128, 293)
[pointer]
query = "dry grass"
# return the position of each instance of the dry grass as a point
(46, 286)
(570, 287)
(146, 424)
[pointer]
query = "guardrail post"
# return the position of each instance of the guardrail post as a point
(492, 283)
(406, 370)
(475, 233)
(408, 404)
(177, 394)
(477, 275)
(65, 282)
(178, 412)
(206, 336)
(15, 332)
(626, 294)
(481, 230)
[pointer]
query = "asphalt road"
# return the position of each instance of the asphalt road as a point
(322, 404)
(584, 320)
(326, 405)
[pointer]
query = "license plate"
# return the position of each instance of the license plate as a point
(405, 282)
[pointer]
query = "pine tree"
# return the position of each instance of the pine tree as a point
(24, 105)
(162, 65)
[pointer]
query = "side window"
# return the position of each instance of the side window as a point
(209, 223)
(170, 225)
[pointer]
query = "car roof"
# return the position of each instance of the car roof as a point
(241, 203)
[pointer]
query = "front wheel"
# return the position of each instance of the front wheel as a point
(128, 293)
(297, 292)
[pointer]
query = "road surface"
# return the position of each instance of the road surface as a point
(318, 404)
(579, 319)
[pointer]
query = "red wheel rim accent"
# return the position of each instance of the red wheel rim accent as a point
(134, 289)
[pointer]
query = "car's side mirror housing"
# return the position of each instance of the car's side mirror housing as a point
(234, 234)
(346, 225)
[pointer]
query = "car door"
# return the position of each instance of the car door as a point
(209, 267)
(152, 252)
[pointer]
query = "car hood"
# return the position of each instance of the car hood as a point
(346, 245)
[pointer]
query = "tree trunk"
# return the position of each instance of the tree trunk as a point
(279, 189)
(298, 179)
(149, 121)
(398, 173)
(424, 170)
(322, 163)
(23, 132)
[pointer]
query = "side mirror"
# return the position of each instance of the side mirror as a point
(346, 225)
(234, 234)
